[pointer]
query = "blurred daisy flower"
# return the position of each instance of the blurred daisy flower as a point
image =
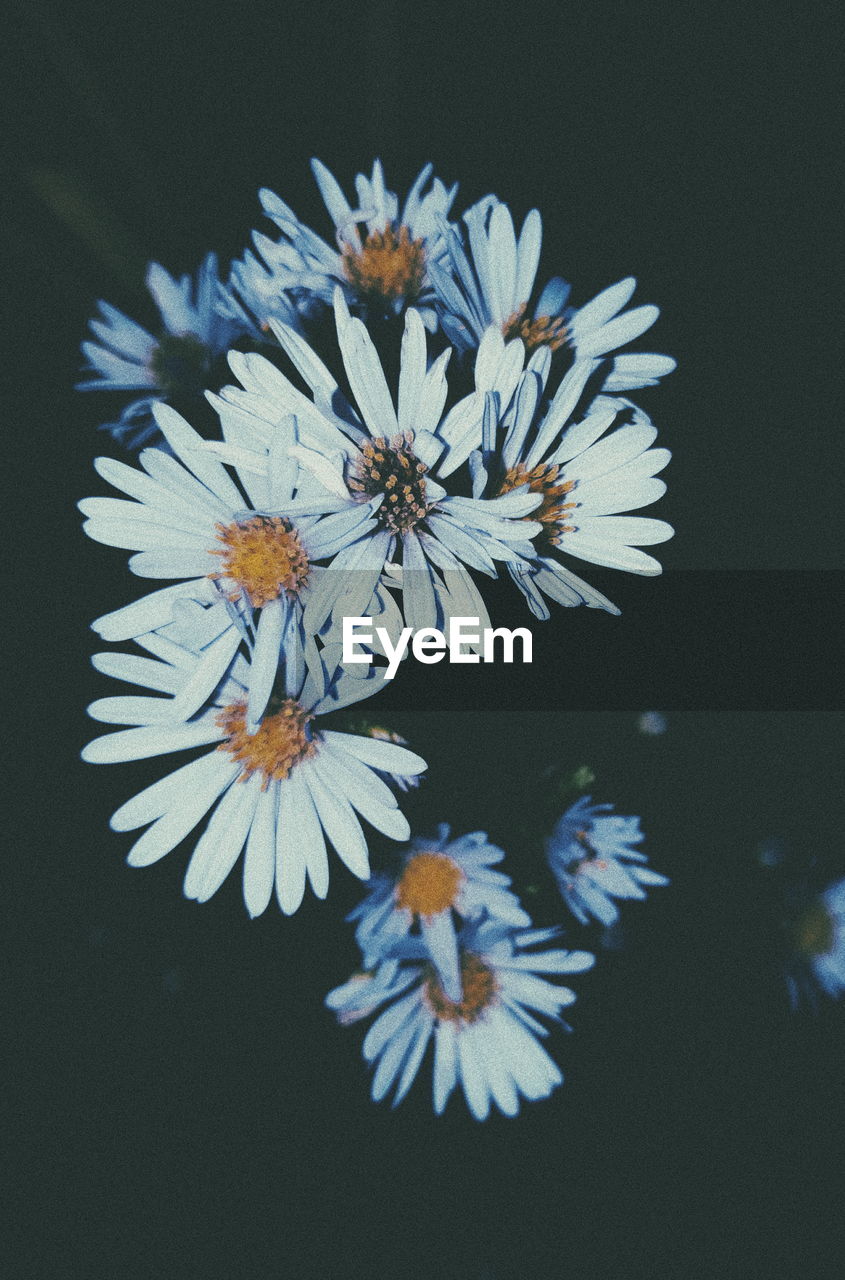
(585, 473)
(279, 792)
(381, 256)
(199, 322)
(591, 857)
(379, 462)
(817, 946)
(489, 280)
(436, 878)
(652, 724)
(488, 1039)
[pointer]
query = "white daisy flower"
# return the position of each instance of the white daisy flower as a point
(817, 939)
(199, 321)
(381, 462)
(277, 792)
(248, 539)
(381, 271)
(487, 1039)
(584, 476)
(490, 281)
(591, 857)
(435, 879)
(652, 724)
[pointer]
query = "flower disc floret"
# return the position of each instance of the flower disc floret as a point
(429, 884)
(553, 512)
(389, 266)
(479, 990)
(280, 742)
(542, 331)
(264, 556)
(390, 467)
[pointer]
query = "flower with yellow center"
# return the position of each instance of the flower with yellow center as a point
(263, 556)
(379, 458)
(542, 331)
(485, 280)
(381, 255)
(388, 268)
(188, 521)
(429, 884)
(554, 511)
(280, 742)
(588, 478)
(479, 989)
(278, 791)
(436, 882)
(484, 1036)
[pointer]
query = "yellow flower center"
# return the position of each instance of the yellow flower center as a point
(813, 932)
(263, 556)
(553, 511)
(391, 467)
(429, 884)
(478, 987)
(389, 266)
(280, 742)
(542, 331)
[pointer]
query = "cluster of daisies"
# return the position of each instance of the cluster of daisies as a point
(449, 951)
(345, 476)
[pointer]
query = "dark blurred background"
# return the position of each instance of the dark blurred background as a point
(184, 1105)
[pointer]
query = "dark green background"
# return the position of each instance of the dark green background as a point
(186, 1106)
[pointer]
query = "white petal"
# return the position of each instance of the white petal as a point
(167, 831)
(139, 744)
(265, 660)
(386, 756)
(221, 843)
(260, 856)
(294, 837)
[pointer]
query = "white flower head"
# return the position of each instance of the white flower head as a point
(436, 881)
(199, 321)
(252, 538)
(381, 256)
(380, 460)
(490, 278)
(591, 855)
(818, 947)
(277, 792)
(586, 470)
(488, 1039)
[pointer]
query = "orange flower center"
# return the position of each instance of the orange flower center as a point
(263, 556)
(278, 744)
(391, 467)
(429, 884)
(542, 331)
(389, 267)
(478, 987)
(813, 932)
(553, 511)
